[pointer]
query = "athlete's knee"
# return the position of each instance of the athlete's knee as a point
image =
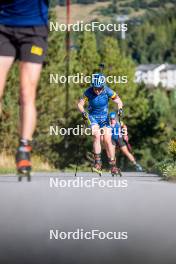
(107, 140)
(107, 137)
(96, 137)
(27, 97)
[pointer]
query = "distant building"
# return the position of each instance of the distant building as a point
(155, 74)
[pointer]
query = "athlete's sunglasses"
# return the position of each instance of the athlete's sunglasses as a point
(98, 89)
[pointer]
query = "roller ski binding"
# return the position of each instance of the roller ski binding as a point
(114, 170)
(97, 167)
(23, 161)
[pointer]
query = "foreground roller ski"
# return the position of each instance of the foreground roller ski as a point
(114, 170)
(97, 167)
(23, 160)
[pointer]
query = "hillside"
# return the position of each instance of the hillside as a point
(81, 12)
(106, 10)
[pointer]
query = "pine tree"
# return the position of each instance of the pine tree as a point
(88, 56)
(118, 65)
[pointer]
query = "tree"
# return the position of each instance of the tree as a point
(117, 64)
(87, 56)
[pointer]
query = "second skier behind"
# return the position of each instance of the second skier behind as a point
(120, 139)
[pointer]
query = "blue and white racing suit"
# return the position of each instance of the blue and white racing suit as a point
(98, 105)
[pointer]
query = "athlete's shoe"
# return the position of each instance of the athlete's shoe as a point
(114, 170)
(138, 167)
(23, 159)
(97, 167)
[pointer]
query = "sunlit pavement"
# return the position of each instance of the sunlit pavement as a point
(141, 204)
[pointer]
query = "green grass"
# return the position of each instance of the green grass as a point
(7, 170)
(7, 164)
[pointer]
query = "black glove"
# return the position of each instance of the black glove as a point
(85, 116)
(120, 112)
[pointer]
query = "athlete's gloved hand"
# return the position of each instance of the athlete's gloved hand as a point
(85, 116)
(120, 112)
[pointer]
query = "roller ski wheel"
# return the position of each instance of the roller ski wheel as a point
(22, 174)
(115, 172)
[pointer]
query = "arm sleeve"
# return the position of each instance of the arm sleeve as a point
(85, 97)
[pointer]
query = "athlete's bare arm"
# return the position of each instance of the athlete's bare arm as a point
(81, 104)
(118, 101)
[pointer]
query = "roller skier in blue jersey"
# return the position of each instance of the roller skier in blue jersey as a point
(97, 96)
(23, 37)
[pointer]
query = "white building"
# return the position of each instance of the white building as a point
(155, 74)
(168, 76)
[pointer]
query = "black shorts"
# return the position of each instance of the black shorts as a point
(24, 43)
(121, 142)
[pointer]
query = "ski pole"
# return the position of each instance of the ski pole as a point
(101, 66)
(78, 151)
(76, 170)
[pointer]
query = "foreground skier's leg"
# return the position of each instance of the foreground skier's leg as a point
(97, 167)
(110, 150)
(5, 65)
(29, 77)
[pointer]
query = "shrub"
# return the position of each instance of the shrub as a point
(169, 173)
(172, 149)
(167, 168)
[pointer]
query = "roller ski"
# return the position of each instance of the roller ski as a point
(97, 167)
(114, 170)
(23, 161)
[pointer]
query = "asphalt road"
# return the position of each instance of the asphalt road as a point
(140, 205)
